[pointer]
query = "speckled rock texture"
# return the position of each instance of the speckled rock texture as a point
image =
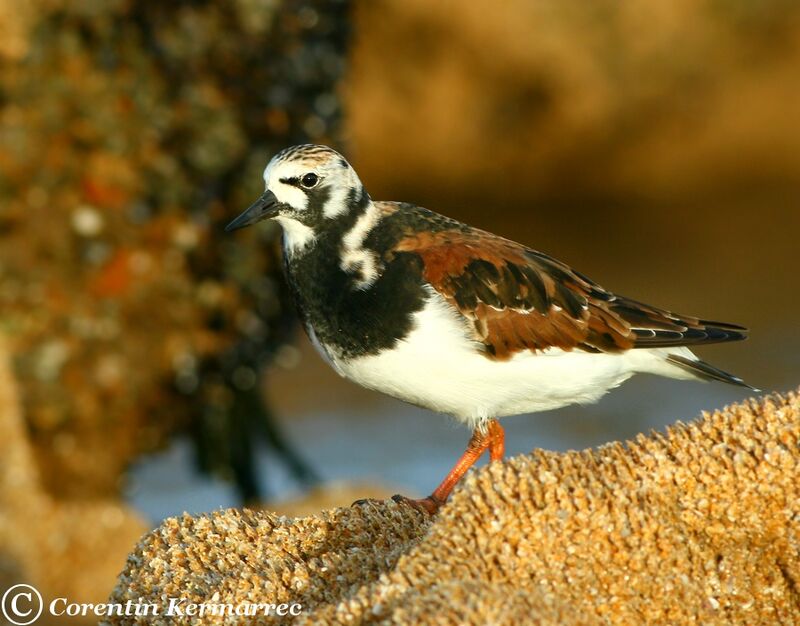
(698, 525)
(65, 549)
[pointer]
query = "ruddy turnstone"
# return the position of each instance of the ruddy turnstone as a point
(427, 309)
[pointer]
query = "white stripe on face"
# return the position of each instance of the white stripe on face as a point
(284, 192)
(341, 183)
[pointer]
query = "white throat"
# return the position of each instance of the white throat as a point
(296, 235)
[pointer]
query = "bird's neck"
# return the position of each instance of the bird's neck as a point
(337, 245)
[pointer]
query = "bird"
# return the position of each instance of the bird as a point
(419, 306)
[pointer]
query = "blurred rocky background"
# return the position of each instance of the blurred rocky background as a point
(653, 146)
(131, 132)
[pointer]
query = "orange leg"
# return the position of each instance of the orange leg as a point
(492, 439)
(497, 441)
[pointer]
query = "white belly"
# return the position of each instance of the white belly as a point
(437, 366)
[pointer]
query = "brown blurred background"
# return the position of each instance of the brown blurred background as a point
(653, 146)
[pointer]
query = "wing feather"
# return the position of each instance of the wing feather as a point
(518, 299)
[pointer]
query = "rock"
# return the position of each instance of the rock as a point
(65, 549)
(696, 525)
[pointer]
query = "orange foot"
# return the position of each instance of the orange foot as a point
(429, 506)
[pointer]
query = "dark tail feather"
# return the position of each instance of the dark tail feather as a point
(723, 331)
(704, 332)
(703, 370)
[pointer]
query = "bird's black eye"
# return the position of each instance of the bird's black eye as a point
(309, 180)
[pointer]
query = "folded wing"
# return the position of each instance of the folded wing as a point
(518, 299)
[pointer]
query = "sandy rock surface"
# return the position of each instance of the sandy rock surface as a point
(69, 549)
(696, 525)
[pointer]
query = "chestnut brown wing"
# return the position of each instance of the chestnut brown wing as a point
(518, 299)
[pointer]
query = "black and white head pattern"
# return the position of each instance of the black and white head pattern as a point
(318, 190)
(313, 184)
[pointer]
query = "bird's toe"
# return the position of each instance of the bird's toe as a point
(428, 506)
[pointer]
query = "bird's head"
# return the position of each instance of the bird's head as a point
(307, 187)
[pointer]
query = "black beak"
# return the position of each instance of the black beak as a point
(263, 208)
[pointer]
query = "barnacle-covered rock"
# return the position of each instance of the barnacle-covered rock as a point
(65, 549)
(696, 525)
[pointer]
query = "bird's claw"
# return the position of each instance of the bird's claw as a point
(366, 501)
(428, 506)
